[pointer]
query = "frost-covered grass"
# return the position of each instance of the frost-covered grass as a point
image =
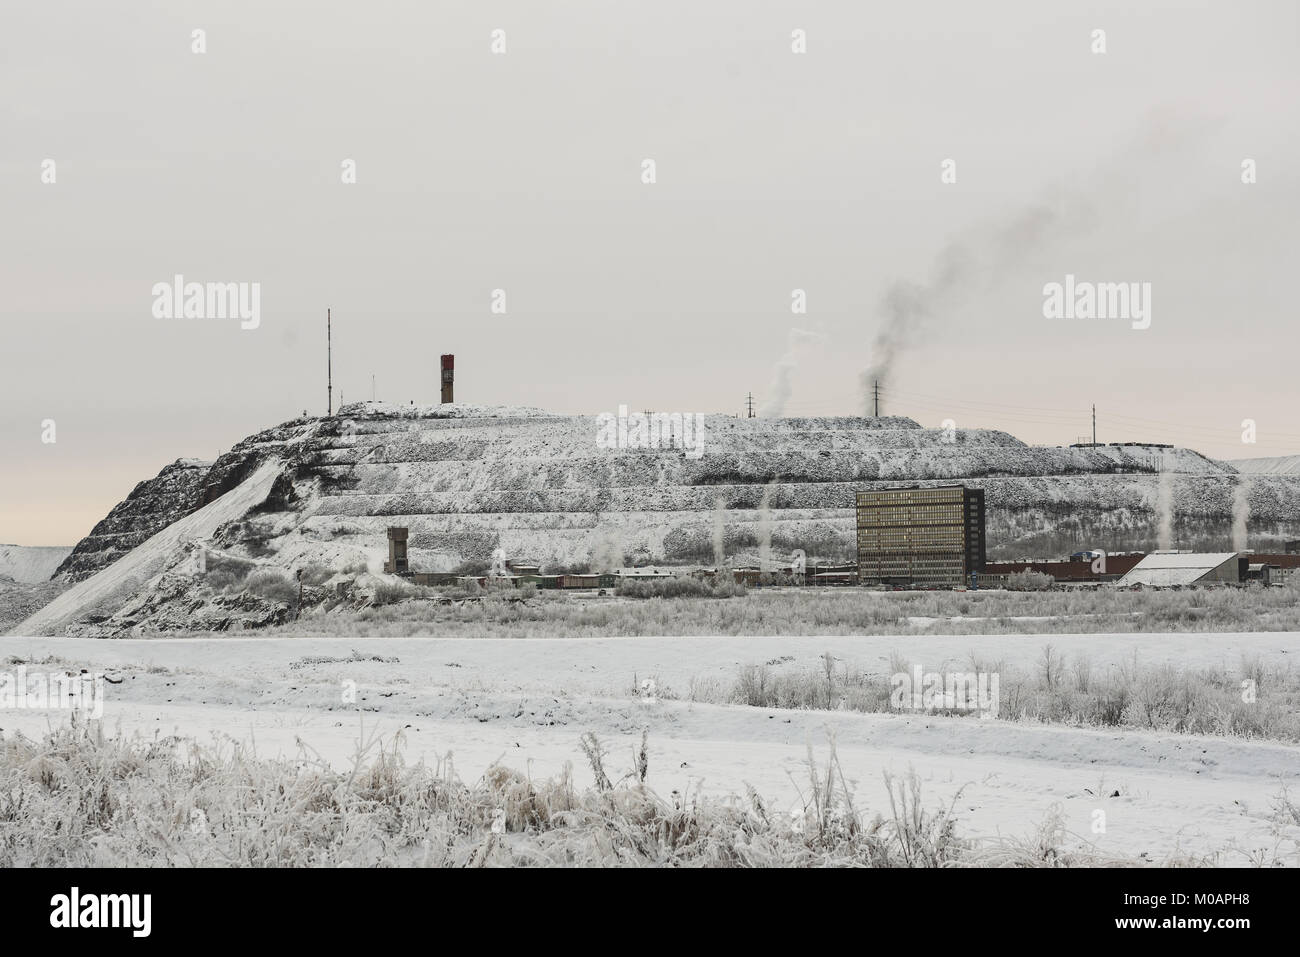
(680, 587)
(1256, 700)
(1028, 580)
(78, 798)
(823, 611)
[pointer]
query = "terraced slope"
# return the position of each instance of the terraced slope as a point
(467, 480)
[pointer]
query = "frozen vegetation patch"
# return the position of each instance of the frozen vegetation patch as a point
(680, 587)
(77, 798)
(353, 658)
(804, 611)
(1255, 700)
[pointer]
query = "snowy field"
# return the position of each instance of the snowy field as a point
(526, 703)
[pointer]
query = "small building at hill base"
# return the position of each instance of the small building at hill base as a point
(397, 562)
(1091, 569)
(1167, 569)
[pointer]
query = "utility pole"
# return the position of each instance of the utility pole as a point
(749, 403)
(372, 387)
(1094, 424)
(329, 366)
(876, 392)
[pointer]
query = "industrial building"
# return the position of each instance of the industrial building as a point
(920, 537)
(1286, 562)
(397, 561)
(1166, 569)
(448, 378)
(1067, 570)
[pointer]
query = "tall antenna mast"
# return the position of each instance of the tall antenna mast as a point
(876, 391)
(1094, 425)
(329, 366)
(749, 402)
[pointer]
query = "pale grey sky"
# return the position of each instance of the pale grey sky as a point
(521, 171)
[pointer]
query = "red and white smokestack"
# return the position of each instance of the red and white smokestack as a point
(448, 374)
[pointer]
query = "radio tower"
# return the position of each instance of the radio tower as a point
(749, 402)
(329, 367)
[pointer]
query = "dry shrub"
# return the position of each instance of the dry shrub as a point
(315, 573)
(679, 587)
(1029, 580)
(272, 585)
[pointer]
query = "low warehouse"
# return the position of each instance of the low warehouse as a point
(1167, 569)
(1070, 570)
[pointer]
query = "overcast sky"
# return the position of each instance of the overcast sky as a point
(775, 171)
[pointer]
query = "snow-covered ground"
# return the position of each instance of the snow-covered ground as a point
(526, 702)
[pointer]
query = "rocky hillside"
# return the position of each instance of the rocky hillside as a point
(152, 506)
(467, 480)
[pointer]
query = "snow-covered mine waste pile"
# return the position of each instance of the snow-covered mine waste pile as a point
(467, 480)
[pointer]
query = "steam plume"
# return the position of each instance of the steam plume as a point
(778, 393)
(765, 528)
(1240, 515)
(719, 532)
(1165, 507)
(607, 550)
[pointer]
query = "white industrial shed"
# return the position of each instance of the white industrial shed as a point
(1184, 568)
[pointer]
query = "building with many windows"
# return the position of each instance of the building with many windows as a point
(920, 537)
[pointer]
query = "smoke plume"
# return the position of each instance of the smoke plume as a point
(995, 251)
